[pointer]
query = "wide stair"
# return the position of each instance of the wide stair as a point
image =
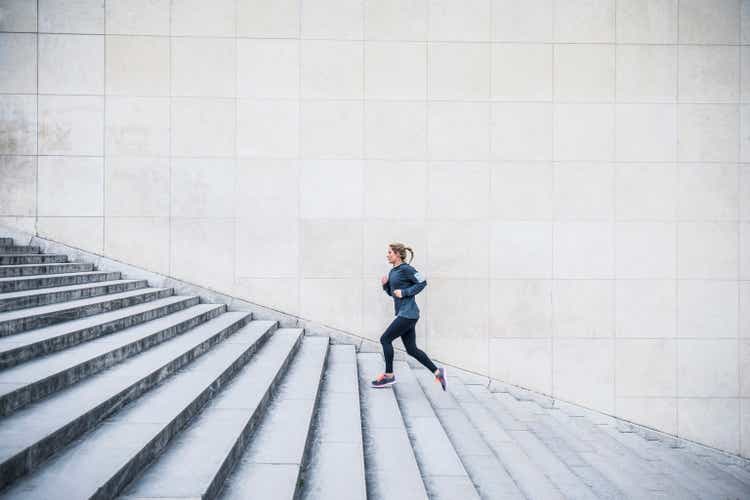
(112, 389)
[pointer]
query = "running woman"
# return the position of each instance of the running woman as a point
(403, 283)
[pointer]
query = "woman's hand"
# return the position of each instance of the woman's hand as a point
(384, 280)
(397, 293)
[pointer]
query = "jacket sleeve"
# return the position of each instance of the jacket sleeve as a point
(418, 283)
(387, 288)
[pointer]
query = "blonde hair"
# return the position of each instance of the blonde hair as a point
(400, 249)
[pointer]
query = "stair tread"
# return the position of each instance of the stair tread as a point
(41, 368)
(530, 480)
(66, 288)
(485, 470)
(46, 264)
(620, 467)
(32, 254)
(393, 471)
(442, 469)
(73, 304)
(38, 276)
(337, 469)
(696, 480)
(40, 419)
(60, 329)
(204, 446)
(116, 441)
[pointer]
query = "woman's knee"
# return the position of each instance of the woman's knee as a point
(385, 340)
(413, 351)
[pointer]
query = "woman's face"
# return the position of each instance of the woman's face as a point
(392, 256)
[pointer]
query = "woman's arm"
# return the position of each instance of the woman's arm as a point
(419, 282)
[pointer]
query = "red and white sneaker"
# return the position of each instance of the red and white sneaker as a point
(383, 381)
(442, 377)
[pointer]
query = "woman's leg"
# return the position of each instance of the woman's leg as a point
(396, 329)
(410, 342)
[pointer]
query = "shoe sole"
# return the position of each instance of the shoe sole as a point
(445, 379)
(383, 385)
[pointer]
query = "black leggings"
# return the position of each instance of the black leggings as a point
(404, 328)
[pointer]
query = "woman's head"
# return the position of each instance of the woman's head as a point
(397, 252)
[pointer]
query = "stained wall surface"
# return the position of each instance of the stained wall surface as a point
(572, 174)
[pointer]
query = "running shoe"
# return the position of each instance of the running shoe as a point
(383, 381)
(442, 377)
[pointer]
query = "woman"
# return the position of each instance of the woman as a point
(403, 283)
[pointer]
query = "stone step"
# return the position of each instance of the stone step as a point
(578, 452)
(6, 249)
(614, 461)
(6, 242)
(34, 380)
(543, 457)
(442, 471)
(702, 483)
(336, 469)
(529, 478)
(722, 474)
(36, 269)
(20, 284)
(534, 417)
(270, 466)
(36, 298)
(15, 322)
(492, 480)
(132, 435)
(391, 469)
(20, 258)
(17, 349)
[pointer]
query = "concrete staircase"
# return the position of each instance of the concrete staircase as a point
(110, 388)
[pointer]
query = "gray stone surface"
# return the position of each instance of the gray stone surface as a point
(336, 469)
(20, 321)
(19, 284)
(198, 461)
(35, 298)
(529, 478)
(52, 373)
(15, 349)
(19, 258)
(26, 249)
(391, 468)
(283, 436)
(113, 454)
(442, 471)
(488, 475)
(34, 269)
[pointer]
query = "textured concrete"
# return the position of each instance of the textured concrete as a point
(201, 458)
(34, 269)
(20, 321)
(442, 471)
(33, 298)
(19, 258)
(283, 437)
(336, 468)
(391, 468)
(36, 379)
(54, 280)
(17, 349)
(125, 443)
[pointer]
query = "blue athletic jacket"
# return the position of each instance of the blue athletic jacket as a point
(407, 279)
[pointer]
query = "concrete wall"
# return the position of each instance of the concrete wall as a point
(570, 173)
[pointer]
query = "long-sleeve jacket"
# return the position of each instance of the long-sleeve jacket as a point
(407, 279)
